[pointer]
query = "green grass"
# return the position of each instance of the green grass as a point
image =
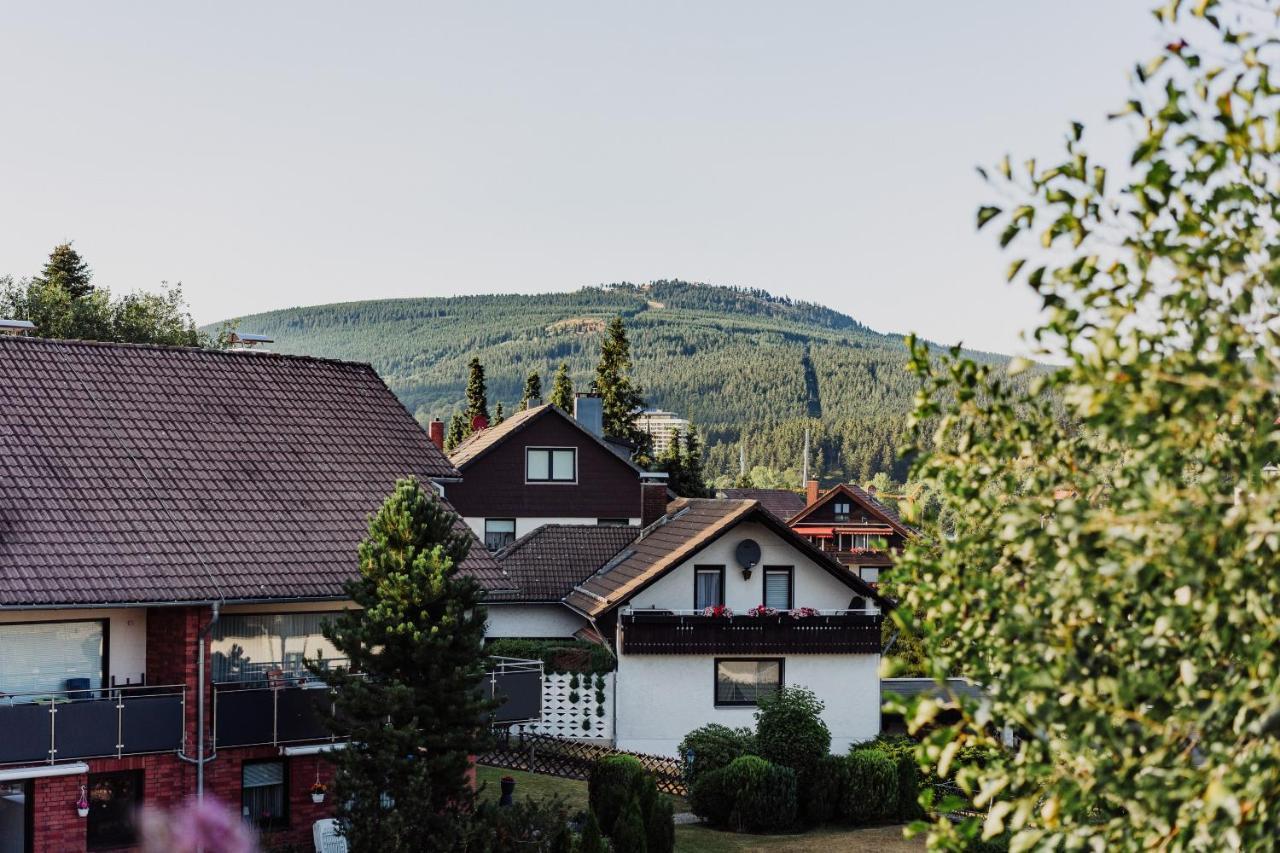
(878, 839)
(534, 786)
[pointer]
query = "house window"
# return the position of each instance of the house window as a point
(708, 586)
(114, 800)
(263, 794)
(49, 657)
(778, 587)
(746, 682)
(257, 648)
(499, 533)
(16, 816)
(551, 464)
(842, 510)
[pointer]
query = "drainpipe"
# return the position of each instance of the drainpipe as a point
(200, 713)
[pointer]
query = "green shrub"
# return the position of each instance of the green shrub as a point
(714, 746)
(826, 791)
(871, 793)
(515, 828)
(615, 780)
(659, 824)
(575, 656)
(909, 784)
(790, 733)
(592, 840)
(712, 796)
(629, 831)
(766, 797)
(562, 841)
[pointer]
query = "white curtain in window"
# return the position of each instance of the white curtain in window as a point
(43, 658)
(539, 464)
(707, 593)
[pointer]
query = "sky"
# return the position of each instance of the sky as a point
(268, 155)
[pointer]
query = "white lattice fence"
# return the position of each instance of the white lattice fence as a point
(575, 706)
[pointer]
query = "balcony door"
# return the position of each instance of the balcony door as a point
(15, 816)
(43, 658)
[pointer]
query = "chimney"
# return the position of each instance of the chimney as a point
(811, 492)
(653, 502)
(588, 410)
(479, 423)
(436, 430)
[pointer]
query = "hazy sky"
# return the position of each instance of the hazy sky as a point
(277, 154)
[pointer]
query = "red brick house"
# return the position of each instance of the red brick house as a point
(174, 526)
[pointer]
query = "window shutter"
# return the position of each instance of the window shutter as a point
(777, 590)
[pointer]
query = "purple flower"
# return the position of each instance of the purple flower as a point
(209, 826)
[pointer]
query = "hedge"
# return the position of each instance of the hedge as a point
(556, 655)
(713, 746)
(872, 791)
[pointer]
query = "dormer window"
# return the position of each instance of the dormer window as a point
(842, 510)
(551, 464)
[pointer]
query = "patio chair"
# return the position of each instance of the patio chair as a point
(325, 835)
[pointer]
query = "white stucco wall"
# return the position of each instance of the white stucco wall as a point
(814, 586)
(527, 525)
(531, 620)
(663, 697)
(126, 636)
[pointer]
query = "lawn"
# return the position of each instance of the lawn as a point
(699, 839)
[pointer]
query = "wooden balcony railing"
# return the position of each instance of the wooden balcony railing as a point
(666, 633)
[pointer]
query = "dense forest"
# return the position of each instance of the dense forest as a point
(750, 369)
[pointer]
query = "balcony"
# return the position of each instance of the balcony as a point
(270, 704)
(91, 723)
(666, 632)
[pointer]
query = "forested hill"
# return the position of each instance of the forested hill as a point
(740, 363)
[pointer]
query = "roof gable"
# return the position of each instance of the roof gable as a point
(783, 503)
(148, 474)
(690, 525)
(860, 497)
(477, 445)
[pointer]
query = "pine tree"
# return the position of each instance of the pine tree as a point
(620, 399)
(459, 429)
(695, 475)
(532, 389)
(592, 839)
(629, 832)
(562, 389)
(477, 392)
(67, 270)
(498, 415)
(415, 708)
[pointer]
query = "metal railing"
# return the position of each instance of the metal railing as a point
(64, 725)
(517, 684)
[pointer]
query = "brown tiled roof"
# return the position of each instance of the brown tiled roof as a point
(868, 500)
(548, 562)
(165, 474)
(689, 526)
(783, 503)
(479, 443)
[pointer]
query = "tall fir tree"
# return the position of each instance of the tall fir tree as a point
(477, 392)
(620, 399)
(498, 415)
(562, 389)
(532, 390)
(67, 270)
(695, 474)
(412, 698)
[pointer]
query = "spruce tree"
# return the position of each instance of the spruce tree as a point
(532, 389)
(592, 840)
(477, 392)
(67, 270)
(620, 399)
(459, 429)
(415, 708)
(693, 469)
(498, 415)
(562, 389)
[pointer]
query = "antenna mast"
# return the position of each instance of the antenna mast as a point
(804, 476)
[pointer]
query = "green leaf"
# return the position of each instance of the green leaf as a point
(986, 213)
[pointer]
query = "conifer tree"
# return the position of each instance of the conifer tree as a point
(562, 389)
(695, 474)
(415, 708)
(592, 838)
(498, 415)
(620, 399)
(532, 389)
(477, 392)
(459, 429)
(67, 270)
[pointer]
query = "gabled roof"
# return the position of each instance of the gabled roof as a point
(148, 474)
(783, 503)
(478, 444)
(690, 525)
(863, 498)
(549, 561)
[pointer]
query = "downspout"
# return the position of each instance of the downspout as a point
(200, 713)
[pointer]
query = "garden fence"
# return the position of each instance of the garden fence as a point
(573, 760)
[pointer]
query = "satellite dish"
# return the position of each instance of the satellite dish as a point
(748, 553)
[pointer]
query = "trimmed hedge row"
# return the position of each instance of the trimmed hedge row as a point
(749, 795)
(556, 655)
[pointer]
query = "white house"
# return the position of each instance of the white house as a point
(708, 609)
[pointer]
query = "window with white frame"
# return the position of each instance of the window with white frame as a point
(841, 509)
(551, 464)
(499, 533)
(777, 587)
